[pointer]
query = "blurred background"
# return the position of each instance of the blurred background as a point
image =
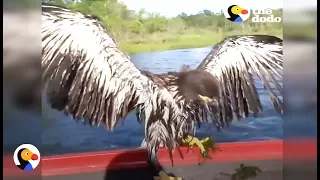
(300, 58)
(154, 41)
(21, 77)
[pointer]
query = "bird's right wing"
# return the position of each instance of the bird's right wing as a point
(88, 77)
(234, 62)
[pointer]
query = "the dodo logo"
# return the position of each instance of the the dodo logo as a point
(236, 13)
(26, 157)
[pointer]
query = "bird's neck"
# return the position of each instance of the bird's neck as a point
(163, 79)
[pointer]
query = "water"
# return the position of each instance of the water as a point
(62, 135)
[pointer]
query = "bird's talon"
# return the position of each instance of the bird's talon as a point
(204, 145)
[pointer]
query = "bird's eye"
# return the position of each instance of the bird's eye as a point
(237, 9)
(27, 153)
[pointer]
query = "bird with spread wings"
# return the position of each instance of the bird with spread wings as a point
(88, 77)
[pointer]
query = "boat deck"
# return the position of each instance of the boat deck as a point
(132, 164)
(272, 169)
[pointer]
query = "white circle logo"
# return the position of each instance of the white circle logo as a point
(26, 157)
(236, 13)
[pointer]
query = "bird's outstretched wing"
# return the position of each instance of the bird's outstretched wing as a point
(88, 77)
(235, 62)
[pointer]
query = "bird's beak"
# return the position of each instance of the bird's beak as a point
(205, 99)
(244, 11)
(34, 157)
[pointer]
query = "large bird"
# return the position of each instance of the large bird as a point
(88, 77)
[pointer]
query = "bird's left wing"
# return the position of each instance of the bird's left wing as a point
(90, 78)
(235, 62)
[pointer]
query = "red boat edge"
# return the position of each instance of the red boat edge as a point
(68, 164)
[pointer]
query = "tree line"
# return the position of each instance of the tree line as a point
(128, 26)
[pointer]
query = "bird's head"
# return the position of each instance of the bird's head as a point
(237, 10)
(27, 155)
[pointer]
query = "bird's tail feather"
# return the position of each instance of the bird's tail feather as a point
(163, 120)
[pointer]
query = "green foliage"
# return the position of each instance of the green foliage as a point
(144, 31)
(136, 26)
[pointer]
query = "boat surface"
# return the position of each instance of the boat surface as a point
(132, 164)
